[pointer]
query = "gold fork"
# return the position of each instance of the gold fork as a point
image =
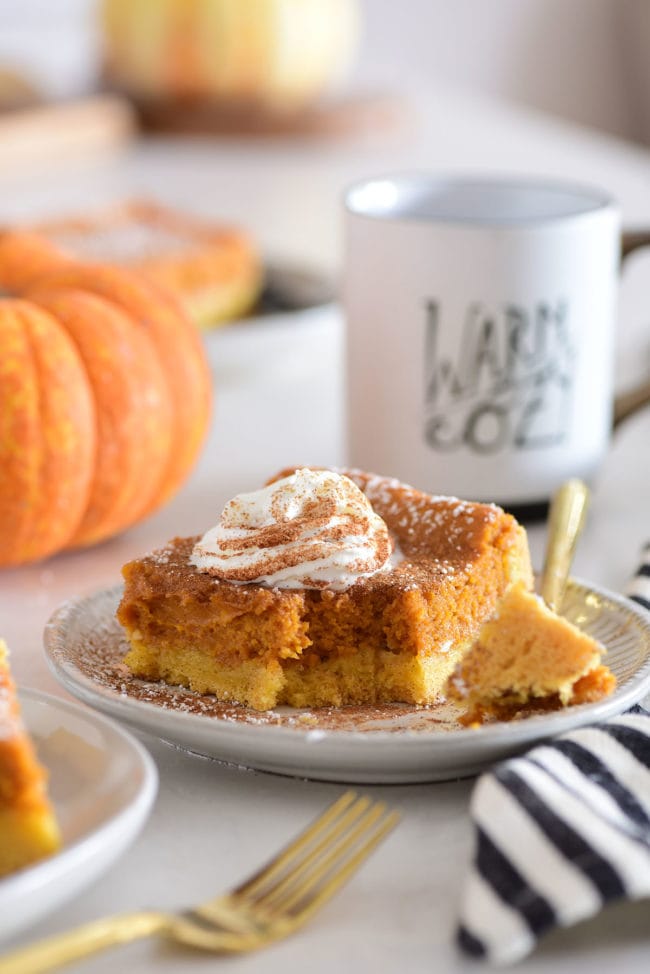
(277, 900)
(565, 524)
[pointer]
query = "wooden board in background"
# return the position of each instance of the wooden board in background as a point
(356, 115)
(55, 131)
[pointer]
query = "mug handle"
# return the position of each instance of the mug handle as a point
(634, 399)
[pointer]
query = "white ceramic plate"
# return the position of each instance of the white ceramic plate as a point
(102, 783)
(297, 326)
(389, 744)
(291, 340)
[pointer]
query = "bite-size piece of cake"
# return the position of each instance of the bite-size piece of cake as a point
(323, 588)
(526, 658)
(28, 829)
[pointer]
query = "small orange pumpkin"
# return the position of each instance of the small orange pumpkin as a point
(104, 399)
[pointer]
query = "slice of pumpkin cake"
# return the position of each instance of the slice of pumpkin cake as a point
(525, 659)
(28, 829)
(324, 588)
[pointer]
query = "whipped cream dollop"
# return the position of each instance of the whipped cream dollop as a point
(314, 529)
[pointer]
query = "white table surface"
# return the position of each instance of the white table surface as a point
(212, 824)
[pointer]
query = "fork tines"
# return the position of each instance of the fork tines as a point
(316, 864)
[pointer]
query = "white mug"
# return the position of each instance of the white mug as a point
(480, 332)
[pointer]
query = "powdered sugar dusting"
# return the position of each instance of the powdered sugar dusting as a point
(130, 241)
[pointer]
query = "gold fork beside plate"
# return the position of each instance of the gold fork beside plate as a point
(270, 905)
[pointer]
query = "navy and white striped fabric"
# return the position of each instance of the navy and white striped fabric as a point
(560, 831)
(639, 587)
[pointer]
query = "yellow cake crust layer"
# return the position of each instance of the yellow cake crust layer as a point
(367, 677)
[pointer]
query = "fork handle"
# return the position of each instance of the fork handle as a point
(91, 938)
(566, 521)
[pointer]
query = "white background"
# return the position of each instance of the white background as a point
(582, 59)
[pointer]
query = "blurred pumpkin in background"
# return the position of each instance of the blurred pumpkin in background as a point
(104, 399)
(281, 54)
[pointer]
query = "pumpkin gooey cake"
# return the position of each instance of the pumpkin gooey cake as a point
(324, 588)
(28, 828)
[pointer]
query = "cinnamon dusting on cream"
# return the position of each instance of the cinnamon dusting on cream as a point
(312, 529)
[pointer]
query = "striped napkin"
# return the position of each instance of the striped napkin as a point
(639, 587)
(560, 831)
